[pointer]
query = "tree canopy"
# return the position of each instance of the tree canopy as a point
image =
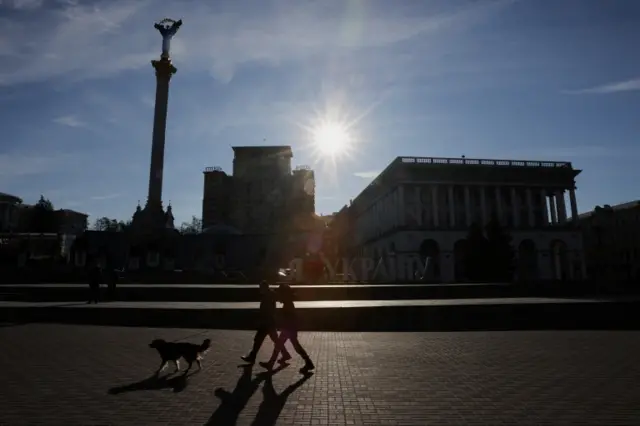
(43, 219)
(192, 227)
(110, 225)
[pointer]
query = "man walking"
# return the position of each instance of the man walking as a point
(267, 325)
(95, 279)
(289, 331)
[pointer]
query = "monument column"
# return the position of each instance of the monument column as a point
(164, 71)
(153, 216)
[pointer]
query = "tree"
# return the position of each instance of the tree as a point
(123, 226)
(193, 227)
(500, 250)
(478, 264)
(111, 225)
(44, 217)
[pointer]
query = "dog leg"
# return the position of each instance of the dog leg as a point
(163, 365)
(177, 362)
(188, 367)
(199, 364)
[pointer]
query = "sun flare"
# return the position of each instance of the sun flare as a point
(331, 139)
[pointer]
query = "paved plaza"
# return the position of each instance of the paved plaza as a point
(303, 304)
(60, 374)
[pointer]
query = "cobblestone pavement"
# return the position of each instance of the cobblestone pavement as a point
(59, 374)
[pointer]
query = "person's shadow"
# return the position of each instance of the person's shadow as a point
(273, 403)
(176, 383)
(232, 403)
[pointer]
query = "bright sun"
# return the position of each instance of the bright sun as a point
(331, 139)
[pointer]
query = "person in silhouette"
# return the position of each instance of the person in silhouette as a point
(267, 325)
(289, 331)
(112, 279)
(95, 279)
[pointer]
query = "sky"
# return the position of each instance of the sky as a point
(495, 79)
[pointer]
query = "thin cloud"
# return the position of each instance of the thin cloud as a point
(22, 4)
(105, 197)
(18, 164)
(148, 101)
(621, 86)
(367, 175)
(78, 37)
(69, 120)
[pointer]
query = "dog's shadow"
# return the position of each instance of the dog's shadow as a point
(177, 383)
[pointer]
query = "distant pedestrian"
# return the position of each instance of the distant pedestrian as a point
(95, 279)
(267, 325)
(111, 277)
(289, 330)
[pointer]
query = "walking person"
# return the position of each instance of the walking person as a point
(112, 280)
(95, 279)
(267, 325)
(289, 331)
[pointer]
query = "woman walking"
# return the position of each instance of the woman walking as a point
(288, 331)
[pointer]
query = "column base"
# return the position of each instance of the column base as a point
(150, 219)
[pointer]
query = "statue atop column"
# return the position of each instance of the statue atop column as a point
(168, 28)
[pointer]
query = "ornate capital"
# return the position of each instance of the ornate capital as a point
(164, 68)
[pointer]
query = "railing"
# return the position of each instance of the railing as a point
(303, 167)
(212, 169)
(481, 162)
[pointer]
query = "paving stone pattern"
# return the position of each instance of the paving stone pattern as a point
(59, 374)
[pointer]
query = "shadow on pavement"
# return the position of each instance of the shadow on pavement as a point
(273, 402)
(232, 403)
(12, 324)
(176, 383)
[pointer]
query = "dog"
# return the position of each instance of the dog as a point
(173, 351)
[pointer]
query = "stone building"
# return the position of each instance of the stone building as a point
(9, 212)
(425, 206)
(611, 237)
(262, 190)
(270, 203)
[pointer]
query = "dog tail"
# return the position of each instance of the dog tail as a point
(204, 347)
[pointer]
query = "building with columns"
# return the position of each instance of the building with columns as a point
(425, 206)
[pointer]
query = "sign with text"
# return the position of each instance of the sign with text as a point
(396, 268)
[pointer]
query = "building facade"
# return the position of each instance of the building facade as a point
(611, 237)
(263, 195)
(9, 212)
(71, 222)
(265, 198)
(425, 206)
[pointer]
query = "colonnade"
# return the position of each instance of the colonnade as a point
(452, 206)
